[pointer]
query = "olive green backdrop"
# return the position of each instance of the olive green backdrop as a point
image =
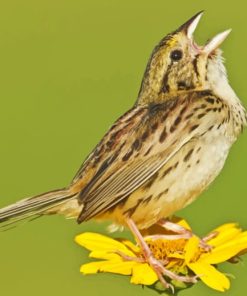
(68, 69)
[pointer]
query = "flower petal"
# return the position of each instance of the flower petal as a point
(143, 274)
(226, 251)
(134, 248)
(191, 248)
(95, 241)
(124, 267)
(184, 223)
(105, 255)
(118, 267)
(225, 226)
(210, 276)
(92, 267)
(226, 232)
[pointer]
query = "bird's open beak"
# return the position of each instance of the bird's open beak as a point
(189, 28)
(215, 42)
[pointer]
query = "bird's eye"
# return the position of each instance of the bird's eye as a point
(176, 55)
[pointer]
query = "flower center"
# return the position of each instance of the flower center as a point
(163, 249)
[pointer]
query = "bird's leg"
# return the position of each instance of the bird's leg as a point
(155, 264)
(182, 233)
(204, 241)
(210, 236)
(128, 258)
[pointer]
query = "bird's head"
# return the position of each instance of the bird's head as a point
(179, 64)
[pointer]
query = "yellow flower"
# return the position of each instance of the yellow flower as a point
(103, 247)
(181, 256)
(229, 242)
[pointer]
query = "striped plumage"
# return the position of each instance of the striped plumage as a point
(158, 179)
(159, 156)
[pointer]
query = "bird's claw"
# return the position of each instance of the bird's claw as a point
(206, 247)
(161, 271)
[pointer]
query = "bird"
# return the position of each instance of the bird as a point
(161, 154)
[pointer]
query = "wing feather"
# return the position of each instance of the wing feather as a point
(120, 178)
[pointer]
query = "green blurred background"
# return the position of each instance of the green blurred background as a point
(68, 69)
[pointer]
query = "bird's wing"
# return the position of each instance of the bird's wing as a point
(159, 133)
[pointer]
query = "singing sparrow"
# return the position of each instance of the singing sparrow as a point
(161, 154)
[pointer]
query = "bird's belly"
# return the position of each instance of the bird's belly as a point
(177, 184)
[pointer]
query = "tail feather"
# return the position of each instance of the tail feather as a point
(33, 206)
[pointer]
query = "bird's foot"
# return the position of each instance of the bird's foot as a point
(183, 233)
(159, 269)
(158, 266)
(203, 242)
(162, 272)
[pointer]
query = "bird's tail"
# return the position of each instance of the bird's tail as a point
(34, 206)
